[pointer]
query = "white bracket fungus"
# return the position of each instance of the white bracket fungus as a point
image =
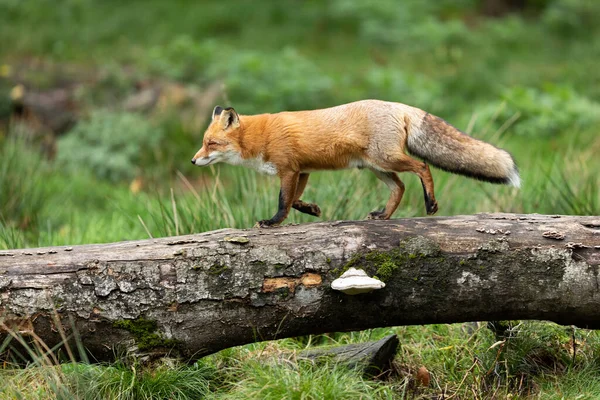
(356, 281)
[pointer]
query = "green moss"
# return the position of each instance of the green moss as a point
(353, 262)
(283, 292)
(144, 332)
(411, 252)
(217, 269)
(58, 302)
(258, 263)
(386, 263)
(328, 260)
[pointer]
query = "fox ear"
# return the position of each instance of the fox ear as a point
(229, 118)
(217, 111)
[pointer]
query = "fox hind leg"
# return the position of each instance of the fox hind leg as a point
(431, 205)
(303, 207)
(424, 174)
(397, 191)
(421, 169)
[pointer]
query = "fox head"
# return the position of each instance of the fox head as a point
(220, 142)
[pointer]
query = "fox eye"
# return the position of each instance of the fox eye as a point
(212, 143)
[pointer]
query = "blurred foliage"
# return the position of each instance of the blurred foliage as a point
(573, 17)
(390, 22)
(544, 112)
(5, 101)
(389, 83)
(115, 146)
(284, 81)
(183, 58)
(254, 81)
(22, 191)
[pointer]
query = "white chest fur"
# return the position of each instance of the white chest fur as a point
(258, 164)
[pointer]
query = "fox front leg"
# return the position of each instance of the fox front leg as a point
(287, 194)
(302, 206)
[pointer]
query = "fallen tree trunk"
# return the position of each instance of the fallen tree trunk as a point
(201, 293)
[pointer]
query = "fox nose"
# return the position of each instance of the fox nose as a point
(193, 161)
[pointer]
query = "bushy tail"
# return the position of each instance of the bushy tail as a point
(445, 147)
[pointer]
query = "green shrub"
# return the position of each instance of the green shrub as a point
(286, 80)
(390, 22)
(572, 17)
(255, 82)
(115, 146)
(544, 112)
(182, 59)
(392, 84)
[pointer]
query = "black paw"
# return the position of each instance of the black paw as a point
(265, 223)
(307, 208)
(377, 215)
(431, 207)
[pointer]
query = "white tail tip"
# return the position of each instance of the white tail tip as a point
(514, 179)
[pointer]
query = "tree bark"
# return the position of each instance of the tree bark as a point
(197, 294)
(373, 358)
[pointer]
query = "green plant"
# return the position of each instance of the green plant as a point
(163, 381)
(10, 237)
(572, 17)
(544, 112)
(392, 23)
(183, 58)
(114, 146)
(44, 376)
(392, 84)
(22, 173)
(272, 380)
(286, 80)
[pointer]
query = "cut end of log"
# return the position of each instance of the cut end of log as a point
(372, 357)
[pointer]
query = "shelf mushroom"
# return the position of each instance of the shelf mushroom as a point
(356, 281)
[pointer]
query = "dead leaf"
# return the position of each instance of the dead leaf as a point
(423, 377)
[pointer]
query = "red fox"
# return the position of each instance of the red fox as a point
(369, 134)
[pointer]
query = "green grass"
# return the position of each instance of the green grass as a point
(522, 82)
(533, 360)
(21, 190)
(87, 381)
(275, 378)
